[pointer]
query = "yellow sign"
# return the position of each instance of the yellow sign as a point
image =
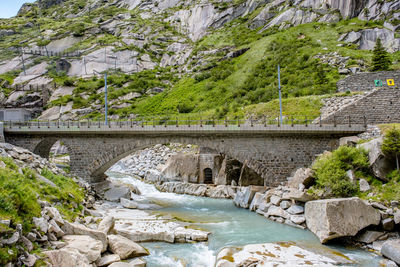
(390, 82)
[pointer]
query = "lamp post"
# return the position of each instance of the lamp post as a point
(280, 94)
(105, 99)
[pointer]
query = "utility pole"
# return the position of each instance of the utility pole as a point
(23, 61)
(280, 94)
(105, 98)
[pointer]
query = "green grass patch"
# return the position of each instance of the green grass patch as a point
(21, 191)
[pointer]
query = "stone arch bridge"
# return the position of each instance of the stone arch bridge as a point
(272, 151)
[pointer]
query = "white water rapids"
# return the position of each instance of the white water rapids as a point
(229, 226)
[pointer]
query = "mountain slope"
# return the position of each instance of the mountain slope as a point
(184, 57)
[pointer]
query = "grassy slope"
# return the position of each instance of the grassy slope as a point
(19, 195)
(259, 63)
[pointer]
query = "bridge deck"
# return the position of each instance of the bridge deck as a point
(185, 129)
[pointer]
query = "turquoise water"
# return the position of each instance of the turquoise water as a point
(229, 226)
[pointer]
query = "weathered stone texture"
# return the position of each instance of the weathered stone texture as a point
(273, 156)
(365, 81)
(380, 106)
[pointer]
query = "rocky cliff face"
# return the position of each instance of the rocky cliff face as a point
(171, 39)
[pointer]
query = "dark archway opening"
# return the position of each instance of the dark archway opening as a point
(208, 176)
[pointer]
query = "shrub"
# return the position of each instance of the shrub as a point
(330, 170)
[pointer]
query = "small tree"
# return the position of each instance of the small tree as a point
(391, 145)
(380, 60)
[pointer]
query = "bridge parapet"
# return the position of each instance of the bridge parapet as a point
(185, 126)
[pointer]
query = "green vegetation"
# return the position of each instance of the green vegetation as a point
(330, 170)
(391, 145)
(380, 60)
(331, 178)
(21, 191)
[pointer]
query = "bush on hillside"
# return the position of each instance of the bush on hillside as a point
(330, 170)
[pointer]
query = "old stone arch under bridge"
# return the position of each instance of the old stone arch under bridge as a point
(272, 151)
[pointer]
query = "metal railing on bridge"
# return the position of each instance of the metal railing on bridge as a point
(157, 122)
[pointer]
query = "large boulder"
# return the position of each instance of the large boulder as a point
(125, 248)
(380, 165)
(67, 258)
(86, 245)
(279, 254)
(79, 229)
(115, 193)
(332, 218)
(391, 250)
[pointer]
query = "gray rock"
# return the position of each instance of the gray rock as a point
(58, 244)
(125, 248)
(137, 263)
(86, 245)
(41, 224)
(67, 258)
(388, 224)
(332, 218)
(12, 240)
(387, 263)
(78, 229)
(391, 250)
(397, 217)
(302, 176)
(55, 229)
(296, 209)
(369, 236)
(107, 224)
(107, 260)
(116, 193)
(31, 236)
(129, 204)
(29, 260)
(364, 185)
(275, 200)
(298, 219)
(244, 196)
(285, 204)
(278, 212)
(27, 243)
(381, 166)
(258, 197)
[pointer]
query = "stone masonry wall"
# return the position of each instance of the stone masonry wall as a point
(273, 157)
(365, 81)
(380, 106)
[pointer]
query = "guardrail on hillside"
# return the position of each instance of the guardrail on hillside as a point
(160, 121)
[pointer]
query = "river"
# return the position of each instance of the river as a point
(229, 226)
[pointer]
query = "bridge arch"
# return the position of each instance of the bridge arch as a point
(272, 152)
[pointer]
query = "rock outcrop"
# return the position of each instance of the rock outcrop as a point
(332, 218)
(380, 164)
